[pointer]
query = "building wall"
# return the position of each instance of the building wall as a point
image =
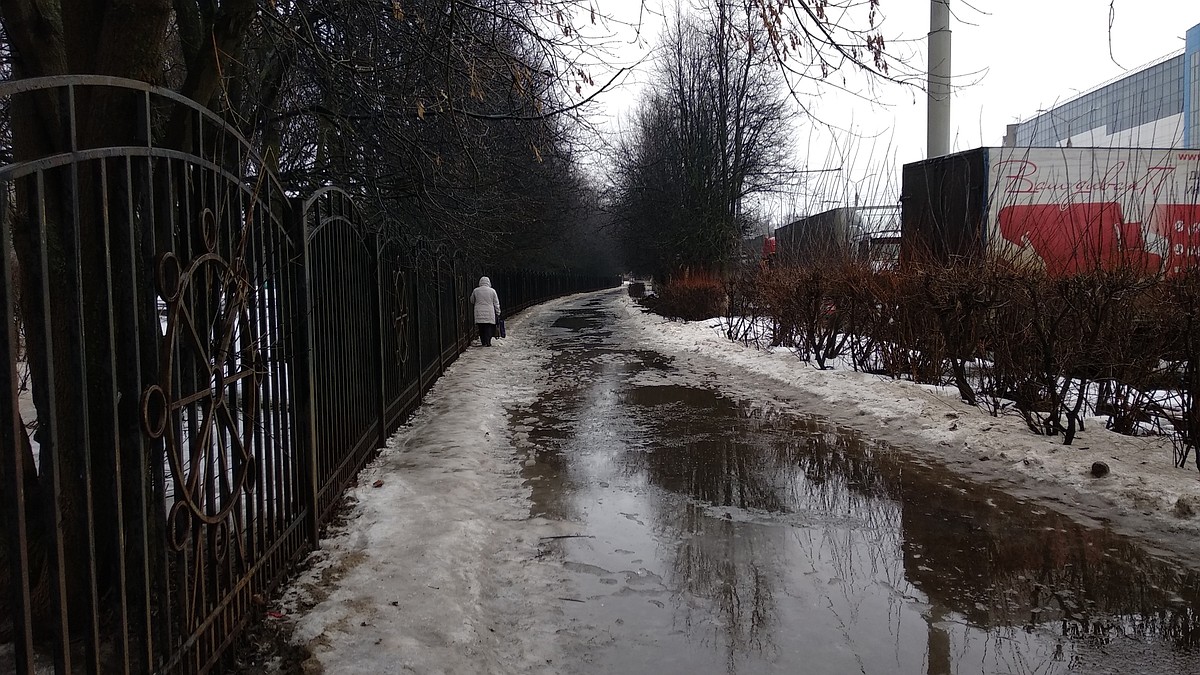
(1162, 133)
(836, 233)
(1191, 87)
(1145, 108)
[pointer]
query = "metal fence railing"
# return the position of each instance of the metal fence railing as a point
(198, 364)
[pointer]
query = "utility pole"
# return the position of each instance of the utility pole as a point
(938, 88)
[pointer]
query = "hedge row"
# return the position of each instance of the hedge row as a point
(1112, 343)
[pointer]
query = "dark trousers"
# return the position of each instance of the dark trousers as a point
(486, 331)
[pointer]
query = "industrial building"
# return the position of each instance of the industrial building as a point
(867, 233)
(1156, 106)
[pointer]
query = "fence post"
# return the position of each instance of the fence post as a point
(464, 318)
(303, 378)
(457, 305)
(380, 323)
(415, 310)
(12, 491)
(441, 327)
(417, 328)
(464, 312)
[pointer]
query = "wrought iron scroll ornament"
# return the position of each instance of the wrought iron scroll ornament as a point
(208, 437)
(400, 315)
(465, 318)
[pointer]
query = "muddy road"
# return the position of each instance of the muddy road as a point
(726, 529)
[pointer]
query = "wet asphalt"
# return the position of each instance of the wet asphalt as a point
(718, 534)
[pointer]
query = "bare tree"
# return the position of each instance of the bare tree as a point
(713, 133)
(445, 119)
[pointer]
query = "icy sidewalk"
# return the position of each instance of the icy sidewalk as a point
(436, 570)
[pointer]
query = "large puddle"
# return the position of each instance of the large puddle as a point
(727, 536)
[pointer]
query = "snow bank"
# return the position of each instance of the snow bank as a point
(1144, 495)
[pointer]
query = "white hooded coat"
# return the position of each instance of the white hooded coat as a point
(485, 301)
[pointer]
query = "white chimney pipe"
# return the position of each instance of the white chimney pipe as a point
(938, 137)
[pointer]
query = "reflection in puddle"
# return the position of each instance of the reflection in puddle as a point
(725, 537)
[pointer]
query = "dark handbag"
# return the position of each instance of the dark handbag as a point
(500, 328)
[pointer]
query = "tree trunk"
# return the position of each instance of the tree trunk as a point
(67, 219)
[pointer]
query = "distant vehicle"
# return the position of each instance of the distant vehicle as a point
(1064, 210)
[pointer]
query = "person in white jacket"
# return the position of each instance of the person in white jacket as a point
(487, 310)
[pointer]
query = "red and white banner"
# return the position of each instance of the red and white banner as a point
(1074, 209)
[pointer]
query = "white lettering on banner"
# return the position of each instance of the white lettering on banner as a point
(1180, 226)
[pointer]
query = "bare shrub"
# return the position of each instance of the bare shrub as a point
(746, 323)
(776, 298)
(1179, 312)
(802, 303)
(1035, 350)
(1052, 338)
(917, 350)
(866, 299)
(1115, 342)
(691, 296)
(959, 300)
(1129, 338)
(819, 318)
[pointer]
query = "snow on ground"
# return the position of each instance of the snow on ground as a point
(1143, 492)
(438, 570)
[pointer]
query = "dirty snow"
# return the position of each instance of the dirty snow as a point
(441, 569)
(1145, 495)
(438, 570)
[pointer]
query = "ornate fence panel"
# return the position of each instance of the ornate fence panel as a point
(429, 335)
(221, 406)
(452, 300)
(401, 357)
(197, 365)
(345, 389)
(149, 479)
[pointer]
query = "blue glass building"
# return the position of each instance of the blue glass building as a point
(1191, 85)
(1156, 106)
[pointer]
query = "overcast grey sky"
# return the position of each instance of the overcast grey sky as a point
(1032, 54)
(1010, 59)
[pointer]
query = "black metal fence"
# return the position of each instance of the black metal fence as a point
(198, 364)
